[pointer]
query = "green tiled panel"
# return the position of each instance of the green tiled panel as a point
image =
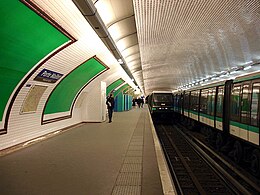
(121, 89)
(26, 38)
(63, 95)
(127, 89)
(119, 104)
(130, 102)
(114, 85)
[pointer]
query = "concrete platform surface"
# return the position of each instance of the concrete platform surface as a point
(90, 159)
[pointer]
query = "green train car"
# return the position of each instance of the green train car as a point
(228, 112)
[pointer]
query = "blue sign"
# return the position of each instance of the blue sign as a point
(48, 76)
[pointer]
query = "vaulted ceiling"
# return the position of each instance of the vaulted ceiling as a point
(173, 44)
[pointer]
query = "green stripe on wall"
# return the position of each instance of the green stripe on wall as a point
(63, 95)
(26, 38)
(114, 85)
(120, 89)
(128, 89)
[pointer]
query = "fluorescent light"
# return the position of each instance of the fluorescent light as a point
(247, 67)
(250, 62)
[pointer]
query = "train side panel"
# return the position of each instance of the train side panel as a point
(244, 108)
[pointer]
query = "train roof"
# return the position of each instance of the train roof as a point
(245, 77)
(162, 92)
(255, 75)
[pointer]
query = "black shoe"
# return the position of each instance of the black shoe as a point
(110, 121)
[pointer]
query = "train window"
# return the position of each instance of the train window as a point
(194, 100)
(220, 100)
(176, 101)
(180, 102)
(235, 103)
(211, 101)
(162, 97)
(186, 101)
(207, 100)
(255, 107)
(245, 104)
(204, 101)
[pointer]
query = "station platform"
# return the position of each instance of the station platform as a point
(122, 157)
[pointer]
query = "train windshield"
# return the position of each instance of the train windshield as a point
(162, 97)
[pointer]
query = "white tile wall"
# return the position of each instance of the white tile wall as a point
(23, 127)
(93, 106)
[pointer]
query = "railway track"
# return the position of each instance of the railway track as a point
(195, 171)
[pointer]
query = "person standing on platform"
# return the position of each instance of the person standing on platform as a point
(139, 102)
(142, 102)
(110, 106)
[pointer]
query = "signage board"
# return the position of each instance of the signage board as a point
(48, 76)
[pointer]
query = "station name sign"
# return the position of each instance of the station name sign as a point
(48, 76)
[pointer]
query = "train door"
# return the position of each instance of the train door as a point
(219, 108)
(194, 105)
(235, 109)
(254, 113)
(186, 104)
(207, 106)
(240, 110)
(245, 111)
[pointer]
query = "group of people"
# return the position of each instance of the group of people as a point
(110, 102)
(139, 101)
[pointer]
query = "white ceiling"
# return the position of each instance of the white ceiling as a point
(171, 43)
(118, 16)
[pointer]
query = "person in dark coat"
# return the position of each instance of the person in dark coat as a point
(142, 102)
(138, 102)
(110, 106)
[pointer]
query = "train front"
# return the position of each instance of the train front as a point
(161, 104)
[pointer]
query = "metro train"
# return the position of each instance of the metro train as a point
(228, 113)
(160, 103)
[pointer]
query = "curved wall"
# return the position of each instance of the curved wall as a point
(53, 47)
(63, 96)
(22, 31)
(121, 89)
(114, 85)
